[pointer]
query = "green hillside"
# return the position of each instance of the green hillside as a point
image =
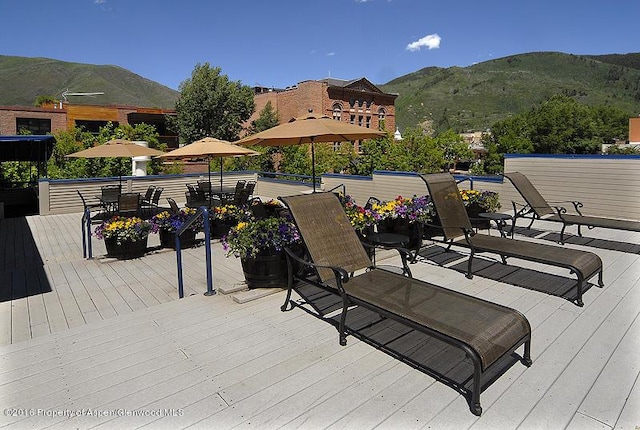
(23, 79)
(473, 98)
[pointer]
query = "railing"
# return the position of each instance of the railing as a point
(203, 212)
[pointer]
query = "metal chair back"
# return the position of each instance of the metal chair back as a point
(129, 204)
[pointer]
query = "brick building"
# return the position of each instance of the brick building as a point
(64, 116)
(358, 102)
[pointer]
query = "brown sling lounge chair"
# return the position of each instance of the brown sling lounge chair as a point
(538, 208)
(485, 331)
(458, 230)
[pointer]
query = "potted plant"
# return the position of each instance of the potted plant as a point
(406, 216)
(222, 218)
(362, 219)
(167, 224)
(477, 202)
(260, 246)
(124, 237)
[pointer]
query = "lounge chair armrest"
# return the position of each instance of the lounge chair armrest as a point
(338, 271)
(576, 205)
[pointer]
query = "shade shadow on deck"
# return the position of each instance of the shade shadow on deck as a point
(592, 242)
(551, 284)
(22, 271)
(440, 360)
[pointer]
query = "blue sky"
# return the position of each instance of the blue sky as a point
(279, 43)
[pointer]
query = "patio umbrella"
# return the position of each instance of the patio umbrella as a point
(310, 129)
(116, 148)
(207, 149)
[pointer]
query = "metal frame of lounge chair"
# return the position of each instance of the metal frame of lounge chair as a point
(458, 230)
(338, 263)
(537, 207)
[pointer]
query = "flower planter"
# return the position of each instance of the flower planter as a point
(474, 210)
(402, 226)
(168, 238)
(220, 227)
(265, 271)
(127, 249)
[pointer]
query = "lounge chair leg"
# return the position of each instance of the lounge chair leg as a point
(564, 226)
(286, 301)
(476, 409)
(469, 274)
(343, 321)
(600, 281)
(526, 359)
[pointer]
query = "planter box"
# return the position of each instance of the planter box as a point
(126, 250)
(168, 239)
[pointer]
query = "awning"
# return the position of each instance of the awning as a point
(26, 148)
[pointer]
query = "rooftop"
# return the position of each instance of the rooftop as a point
(109, 341)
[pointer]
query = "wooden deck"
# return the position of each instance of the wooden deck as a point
(107, 344)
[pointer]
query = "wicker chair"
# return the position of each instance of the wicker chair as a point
(485, 331)
(458, 230)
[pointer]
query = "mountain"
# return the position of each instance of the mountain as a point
(462, 98)
(473, 98)
(23, 79)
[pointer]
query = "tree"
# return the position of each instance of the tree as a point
(268, 118)
(454, 148)
(211, 105)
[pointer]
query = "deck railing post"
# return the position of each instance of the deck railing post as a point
(203, 212)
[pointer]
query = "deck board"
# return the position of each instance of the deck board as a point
(110, 334)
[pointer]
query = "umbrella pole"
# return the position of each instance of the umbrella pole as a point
(220, 177)
(313, 165)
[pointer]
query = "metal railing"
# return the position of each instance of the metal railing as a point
(202, 212)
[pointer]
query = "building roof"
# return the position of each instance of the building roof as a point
(26, 148)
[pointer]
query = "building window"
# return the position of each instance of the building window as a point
(360, 120)
(33, 125)
(352, 120)
(337, 111)
(93, 127)
(381, 114)
(368, 122)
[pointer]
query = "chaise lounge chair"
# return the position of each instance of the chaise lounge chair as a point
(458, 230)
(538, 208)
(486, 332)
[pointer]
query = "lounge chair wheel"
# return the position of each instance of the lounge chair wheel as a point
(527, 361)
(476, 409)
(343, 340)
(579, 302)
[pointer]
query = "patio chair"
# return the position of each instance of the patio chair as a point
(129, 204)
(173, 205)
(537, 207)
(250, 187)
(91, 206)
(146, 199)
(154, 203)
(109, 197)
(457, 230)
(485, 331)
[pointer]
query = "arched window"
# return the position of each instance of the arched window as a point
(337, 111)
(381, 114)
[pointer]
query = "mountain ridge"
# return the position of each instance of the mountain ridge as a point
(467, 98)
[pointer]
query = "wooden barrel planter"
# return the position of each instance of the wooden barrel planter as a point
(168, 238)
(265, 271)
(127, 249)
(220, 227)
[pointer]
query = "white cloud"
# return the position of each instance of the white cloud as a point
(362, 1)
(431, 41)
(99, 1)
(330, 54)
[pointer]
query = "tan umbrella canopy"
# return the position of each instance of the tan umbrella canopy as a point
(206, 149)
(310, 129)
(116, 148)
